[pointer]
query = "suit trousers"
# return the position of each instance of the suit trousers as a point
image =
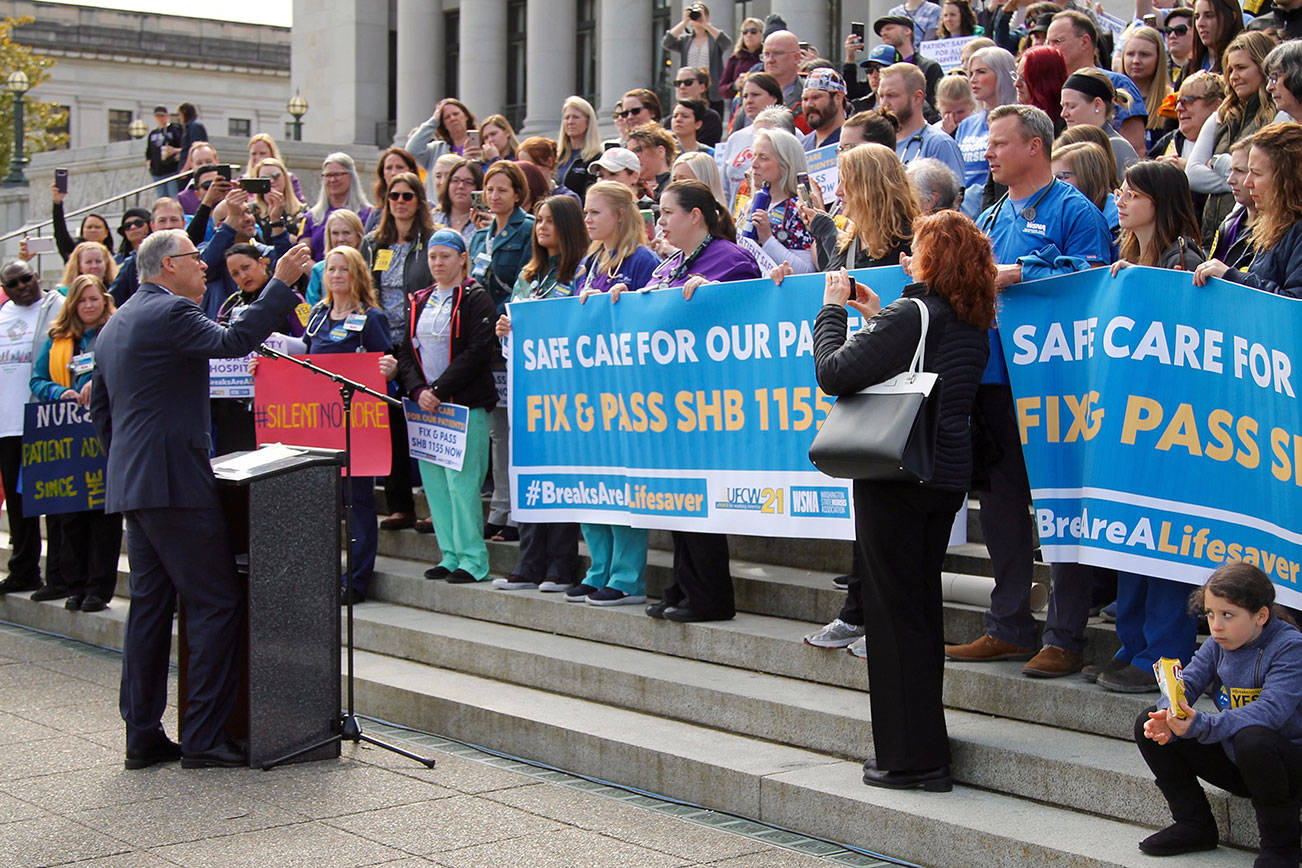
(548, 552)
(702, 575)
(185, 552)
(903, 529)
(88, 555)
(24, 533)
(618, 556)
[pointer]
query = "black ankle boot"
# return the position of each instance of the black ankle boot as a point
(1281, 831)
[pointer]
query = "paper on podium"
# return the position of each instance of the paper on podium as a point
(246, 465)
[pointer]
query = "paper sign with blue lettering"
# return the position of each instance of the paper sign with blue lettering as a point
(1160, 422)
(690, 415)
(63, 460)
(946, 52)
(438, 437)
(823, 170)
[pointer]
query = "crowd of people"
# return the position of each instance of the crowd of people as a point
(1053, 147)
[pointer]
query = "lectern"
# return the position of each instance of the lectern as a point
(284, 519)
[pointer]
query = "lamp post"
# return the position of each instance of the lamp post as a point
(297, 108)
(17, 84)
(137, 129)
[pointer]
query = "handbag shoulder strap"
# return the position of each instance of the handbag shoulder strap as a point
(915, 366)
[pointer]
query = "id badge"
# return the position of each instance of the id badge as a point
(83, 363)
(338, 333)
(355, 322)
(383, 258)
(482, 263)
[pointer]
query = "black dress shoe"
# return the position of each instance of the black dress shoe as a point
(351, 595)
(93, 603)
(12, 585)
(657, 610)
(935, 780)
(436, 573)
(842, 582)
(73, 603)
(228, 755)
(165, 751)
(51, 592)
(460, 577)
(491, 529)
(684, 615)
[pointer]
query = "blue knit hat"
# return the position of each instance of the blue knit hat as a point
(448, 238)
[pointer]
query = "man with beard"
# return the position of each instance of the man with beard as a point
(902, 91)
(824, 103)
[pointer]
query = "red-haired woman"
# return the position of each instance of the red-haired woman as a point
(1040, 74)
(902, 527)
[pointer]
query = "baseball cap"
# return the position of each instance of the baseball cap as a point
(881, 55)
(618, 160)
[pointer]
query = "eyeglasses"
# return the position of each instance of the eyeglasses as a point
(461, 182)
(751, 31)
(329, 175)
(1125, 195)
(194, 253)
(683, 82)
(630, 112)
(401, 196)
(1187, 101)
(1176, 30)
(770, 55)
(842, 147)
(15, 282)
(136, 224)
(1272, 79)
(1062, 176)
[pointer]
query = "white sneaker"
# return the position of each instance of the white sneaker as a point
(859, 648)
(837, 634)
(514, 582)
(551, 587)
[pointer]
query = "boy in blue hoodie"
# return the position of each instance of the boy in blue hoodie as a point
(1253, 746)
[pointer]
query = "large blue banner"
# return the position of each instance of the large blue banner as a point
(691, 415)
(1160, 422)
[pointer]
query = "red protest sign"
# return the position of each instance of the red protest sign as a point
(297, 407)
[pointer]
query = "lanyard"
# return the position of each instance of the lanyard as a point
(681, 268)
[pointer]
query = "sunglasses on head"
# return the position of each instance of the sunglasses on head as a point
(14, 282)
(401, 196)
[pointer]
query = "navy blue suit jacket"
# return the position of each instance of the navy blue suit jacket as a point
(150, 394)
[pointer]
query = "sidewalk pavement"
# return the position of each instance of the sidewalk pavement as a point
(65, 798)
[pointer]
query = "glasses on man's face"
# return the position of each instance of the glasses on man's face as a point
(194, 253)
(1176, 30)
(15, 282)
(133, 224)
(773, 55)
(401, 196)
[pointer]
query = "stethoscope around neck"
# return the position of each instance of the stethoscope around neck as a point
(916, 138)
(1028, 213)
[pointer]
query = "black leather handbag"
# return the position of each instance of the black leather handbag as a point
(887, 432)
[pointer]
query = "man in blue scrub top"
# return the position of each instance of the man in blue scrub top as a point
(1043, 219)
(903, 89)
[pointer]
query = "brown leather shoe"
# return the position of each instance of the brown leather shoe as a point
(1053, 662)
(986, 649)
(398, 521)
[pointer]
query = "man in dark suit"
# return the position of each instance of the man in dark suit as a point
(150, 405)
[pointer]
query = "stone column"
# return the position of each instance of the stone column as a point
(338, 62)
(551, 63)
(420, 68)
(808, 20)
(625, 45)
(482, 64)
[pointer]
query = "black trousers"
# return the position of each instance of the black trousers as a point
(24, 533)
(852, 609)
(903, 529)
(548, 552)
(397, 485)
(187, 552)
(702, 578)
(89, 551)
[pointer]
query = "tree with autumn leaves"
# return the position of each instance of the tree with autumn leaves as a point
(40, 119)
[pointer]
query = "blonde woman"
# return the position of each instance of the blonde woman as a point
(699, 166)
(1144, 60)
(343, 229)
(745, 57)
(333, 327)
(291, 208)
(578, 143)
(261, 147)
(619, 259)
(498, 137)
(88, 257)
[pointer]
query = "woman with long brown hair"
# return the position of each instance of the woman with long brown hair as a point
(1156, 215)
(90, 539)
(902, 528)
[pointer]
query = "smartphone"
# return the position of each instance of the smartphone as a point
(1150, 20)
(223, 171)
(260, 186)
(858, 29)
(472, 139)
(40, 245)
(477, 200)
(804, 190)
(61, 180)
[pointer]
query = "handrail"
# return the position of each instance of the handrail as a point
(32, 228)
